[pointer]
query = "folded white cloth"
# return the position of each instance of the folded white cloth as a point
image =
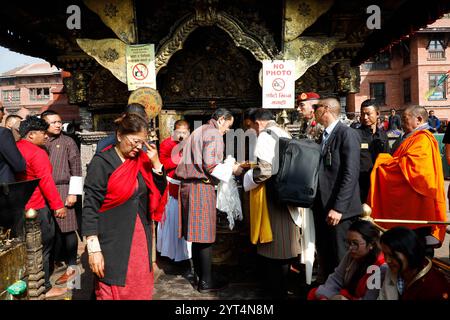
(223, 171)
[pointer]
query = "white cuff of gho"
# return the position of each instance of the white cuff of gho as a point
(249, 184)
(93, 245)
(75, 185)
(158, 171)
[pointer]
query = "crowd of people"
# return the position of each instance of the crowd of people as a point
(130, 185)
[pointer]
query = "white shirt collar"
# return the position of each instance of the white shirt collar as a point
(331, 127)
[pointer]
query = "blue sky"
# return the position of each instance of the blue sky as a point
(10, 60)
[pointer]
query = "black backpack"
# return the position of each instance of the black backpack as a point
(297, 177)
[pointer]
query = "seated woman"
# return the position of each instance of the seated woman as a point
(123, 191)
(411, 275)
(350, 279)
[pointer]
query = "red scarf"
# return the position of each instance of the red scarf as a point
(361, 288)
(122, 185)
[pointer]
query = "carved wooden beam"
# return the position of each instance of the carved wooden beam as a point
(207, 16)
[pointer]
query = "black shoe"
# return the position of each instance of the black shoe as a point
(215, 285)
(192, 277)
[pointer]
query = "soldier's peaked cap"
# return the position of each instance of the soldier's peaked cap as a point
(304, 96)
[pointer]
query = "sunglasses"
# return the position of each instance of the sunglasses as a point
(317, 106)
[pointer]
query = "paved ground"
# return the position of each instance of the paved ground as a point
(173, 280)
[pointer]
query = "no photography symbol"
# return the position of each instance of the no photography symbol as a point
(278, 84)
(140, 71)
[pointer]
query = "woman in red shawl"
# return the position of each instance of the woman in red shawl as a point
(351, 277)
(123, 191)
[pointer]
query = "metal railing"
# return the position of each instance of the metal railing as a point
(436, 55)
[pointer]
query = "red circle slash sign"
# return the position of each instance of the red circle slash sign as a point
(140, 71)
(278, 84)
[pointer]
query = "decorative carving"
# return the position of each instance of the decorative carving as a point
(256, 27)
(343, 53)
(342, 71)
(118, 15)
(319, 78)
(105, 122)
(110, 10)
(210, 67)
(106, 91)
(110, 53)
(230, 25)
(300, 15)
(307, 52)
(304, 9)
(76, 87)
(206, 10)
(167, 119)
(355, 80)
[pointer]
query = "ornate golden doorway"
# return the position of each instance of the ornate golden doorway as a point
(210, 72)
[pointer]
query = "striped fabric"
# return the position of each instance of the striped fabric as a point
(286, 234)
(66, 161)
(198, 212)
(203, 151)
(197, 201)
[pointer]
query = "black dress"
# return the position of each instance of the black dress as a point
(115, 227)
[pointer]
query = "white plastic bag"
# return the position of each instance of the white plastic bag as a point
(228, 197)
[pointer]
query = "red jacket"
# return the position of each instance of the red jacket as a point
(170, 163)
(39, 166)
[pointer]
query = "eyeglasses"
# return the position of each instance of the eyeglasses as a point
(353, 244)
(55, 122)
(135, 142)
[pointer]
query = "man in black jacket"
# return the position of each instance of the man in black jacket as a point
(373, 142)
(337, 203)
(11, 161)
(395, 123)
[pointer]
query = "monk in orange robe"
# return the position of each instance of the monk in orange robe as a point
(410, 184)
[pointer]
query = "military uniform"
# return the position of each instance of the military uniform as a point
(311, 129)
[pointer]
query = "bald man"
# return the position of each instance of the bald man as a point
(409, 185)
(337, 203)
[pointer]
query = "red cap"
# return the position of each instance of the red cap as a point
(304, 96)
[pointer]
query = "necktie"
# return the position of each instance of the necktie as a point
(324, 139)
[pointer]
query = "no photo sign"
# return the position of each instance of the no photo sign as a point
(278, 84)
(141, 66)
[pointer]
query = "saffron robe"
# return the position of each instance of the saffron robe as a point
(410, 184)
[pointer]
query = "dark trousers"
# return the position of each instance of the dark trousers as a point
(274, 276)
(330, 242)
(66, 247)
(364, 185)
(202, 259)
(47, 223)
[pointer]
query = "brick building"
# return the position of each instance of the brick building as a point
(36, 87)
(404, 75)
